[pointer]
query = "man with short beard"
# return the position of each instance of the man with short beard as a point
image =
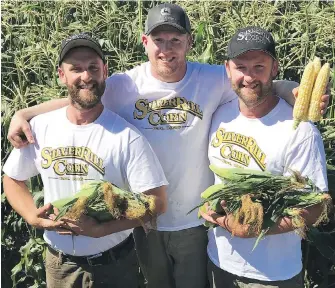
(171, 101)
(79, 143)
(92, 98)
(258, 127)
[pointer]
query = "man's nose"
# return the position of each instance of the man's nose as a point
(166, 45)
(85, 76)
(249, 76)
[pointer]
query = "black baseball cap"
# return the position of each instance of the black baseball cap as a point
(79, 40)
(251, 38)
(167, 14)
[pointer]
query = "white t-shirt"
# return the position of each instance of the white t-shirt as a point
(175, 118)
(268, 143)
(68, 155)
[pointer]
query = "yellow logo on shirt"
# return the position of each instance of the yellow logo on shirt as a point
(62, 166)
(152, 110)
(227, 151)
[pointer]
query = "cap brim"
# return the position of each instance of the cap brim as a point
(245, 51)
(180, 28)
(80, 43)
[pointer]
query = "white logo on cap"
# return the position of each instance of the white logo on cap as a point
(165, 11)
(255, 35)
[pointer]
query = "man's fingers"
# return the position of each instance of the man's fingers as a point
(27, 134)
(207, 217)
(69, 221)
(63, 231)
(324, 103)
(17, 141)
(44, 211)
(224, 206)
(53, 217)
(60, 226)
(56, 211)
(295, 92)
(66, 232)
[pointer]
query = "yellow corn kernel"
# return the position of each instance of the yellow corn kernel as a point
(300, 110)
(314, 113)
(317, 66)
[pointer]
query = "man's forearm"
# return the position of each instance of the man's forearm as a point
(160, 199)
(285, 224)
(45, 107)
(283, 89)
(20, 198)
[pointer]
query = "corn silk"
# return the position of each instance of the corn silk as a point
(104, 201)
(259, 199)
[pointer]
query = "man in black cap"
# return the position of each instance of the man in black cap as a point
(171, 101)
(74, 145)
(256, 132)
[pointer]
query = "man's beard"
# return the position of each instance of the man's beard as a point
(254, 98)
(90, 98)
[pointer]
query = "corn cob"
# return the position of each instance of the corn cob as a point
(258, 199)
(300, 110)
(317, 66)
(104, 201)
(314, 113)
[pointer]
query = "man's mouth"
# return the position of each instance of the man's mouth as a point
(86, 86)
(166, 59)
(250, 86)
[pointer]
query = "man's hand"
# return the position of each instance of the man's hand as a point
(227, 222)
(19, 133)
(324, 99)
(44, 219)
(85, 225)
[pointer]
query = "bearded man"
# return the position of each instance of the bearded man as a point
(69, 143)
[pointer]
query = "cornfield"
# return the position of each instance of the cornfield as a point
(30, 37)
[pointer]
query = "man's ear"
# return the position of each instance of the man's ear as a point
(105, 71)
(189, 42)
(226, 63)
(61, 75)
(144, 39)
(275, 68)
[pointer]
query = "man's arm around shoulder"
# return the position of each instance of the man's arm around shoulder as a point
(19, 124)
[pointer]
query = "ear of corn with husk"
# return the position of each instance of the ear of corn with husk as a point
(104, 201)
(259, 199)
(313, 85)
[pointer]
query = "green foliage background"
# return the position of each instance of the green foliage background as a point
(30, 37)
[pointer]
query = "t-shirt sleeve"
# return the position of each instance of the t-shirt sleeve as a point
(308, 157)
(107, 97)
(118, 86)
(228, 93)
(284, 89)
(20, 164)
(143, 170)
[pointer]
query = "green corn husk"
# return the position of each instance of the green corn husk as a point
(104, 202)
(259, 199)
